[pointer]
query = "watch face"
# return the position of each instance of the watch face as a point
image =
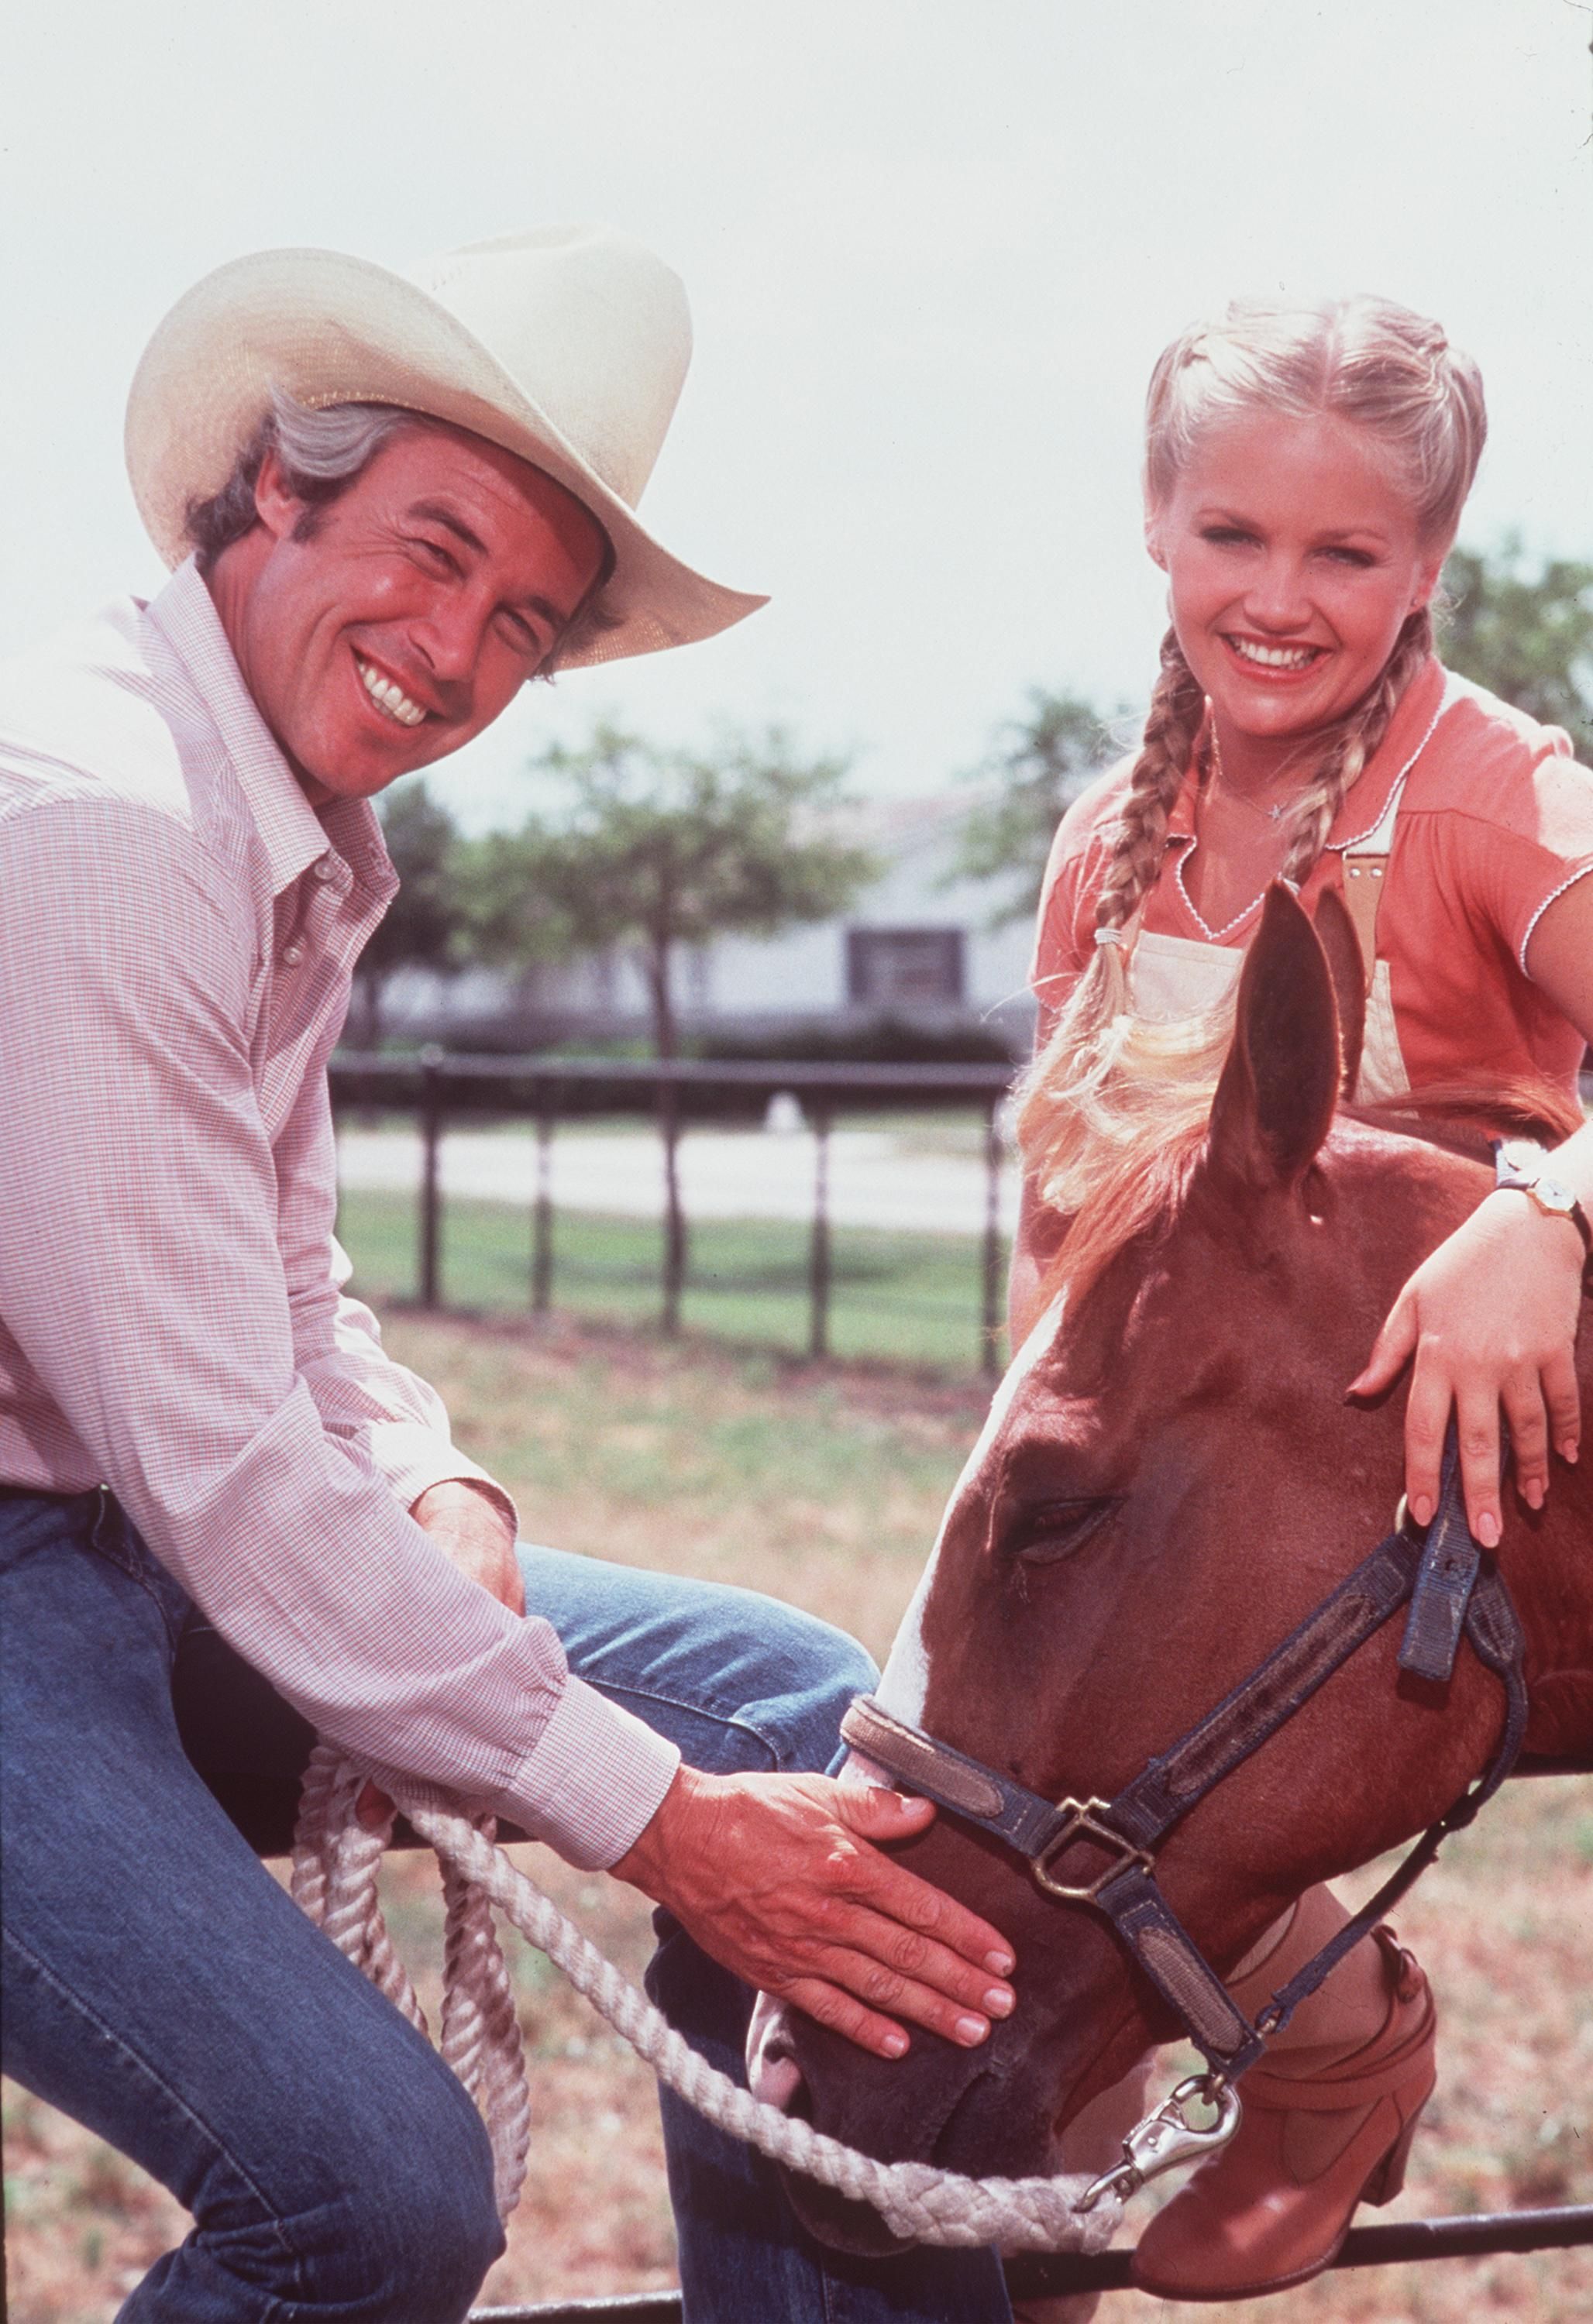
(1552, 1196)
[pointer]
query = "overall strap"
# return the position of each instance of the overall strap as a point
(1366, 867)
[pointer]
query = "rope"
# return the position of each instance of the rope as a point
(334, 1879)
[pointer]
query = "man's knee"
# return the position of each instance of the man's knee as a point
(799, 1678)
(412, 2226)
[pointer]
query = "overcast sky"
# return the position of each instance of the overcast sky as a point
(932, 247)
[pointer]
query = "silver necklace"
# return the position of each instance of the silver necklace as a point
(1272, 814)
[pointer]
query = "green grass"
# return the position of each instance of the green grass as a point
(903, 1298)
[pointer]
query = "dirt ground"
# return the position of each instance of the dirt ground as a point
(823, 1486)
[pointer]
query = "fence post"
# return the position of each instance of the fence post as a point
(991, 1326)
(819, 1247)
(430, 1190)
(541, 1217)
(674, 1222)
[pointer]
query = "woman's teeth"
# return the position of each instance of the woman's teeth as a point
(1275, 657)
(388, 696)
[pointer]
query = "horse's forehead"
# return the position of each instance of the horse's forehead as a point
(904, 1685)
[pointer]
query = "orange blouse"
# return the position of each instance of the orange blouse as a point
(1495, 820)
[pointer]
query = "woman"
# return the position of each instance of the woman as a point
(1305, 473)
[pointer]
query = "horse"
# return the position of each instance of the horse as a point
(1169, 1480)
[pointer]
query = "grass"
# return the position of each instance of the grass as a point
(823, 1484)
(903, 1298)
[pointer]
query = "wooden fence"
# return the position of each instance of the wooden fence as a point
(442, 1090)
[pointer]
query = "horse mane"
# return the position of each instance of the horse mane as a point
(1146, 1171)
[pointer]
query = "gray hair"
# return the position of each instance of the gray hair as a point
(321, 452)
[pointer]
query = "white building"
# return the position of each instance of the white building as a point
(917, 949)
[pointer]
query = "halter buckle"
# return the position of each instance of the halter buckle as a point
(1086, 1821)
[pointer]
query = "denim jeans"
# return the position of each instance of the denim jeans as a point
(161, 1987)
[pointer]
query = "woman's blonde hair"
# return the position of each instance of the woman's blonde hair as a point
(1102, 1076)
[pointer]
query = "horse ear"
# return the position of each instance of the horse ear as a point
(1279, 1085)
(1336, 936)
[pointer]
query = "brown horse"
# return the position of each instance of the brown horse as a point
(1170, 1480)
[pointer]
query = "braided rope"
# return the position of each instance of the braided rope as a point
(480, 2035)
(917, 2200)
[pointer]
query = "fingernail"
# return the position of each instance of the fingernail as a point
(895, 2045)
(970, 2029)
(1533, 1490)
(1488, 1530)
(1568, 1452)
(1422, 1508)
(999, 2000)
(999, 1964)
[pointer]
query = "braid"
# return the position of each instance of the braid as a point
(1066, 1098)
(1357, 739)
(1171, 723)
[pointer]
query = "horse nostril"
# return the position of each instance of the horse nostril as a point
(773, 2073)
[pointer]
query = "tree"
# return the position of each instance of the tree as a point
(655, 850)
(1527, 639)
(1040, 764)
(422, 927)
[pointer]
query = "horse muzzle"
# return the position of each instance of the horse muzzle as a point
(962, 2109)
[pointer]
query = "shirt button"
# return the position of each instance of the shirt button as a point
(324, 867)
(292, 953)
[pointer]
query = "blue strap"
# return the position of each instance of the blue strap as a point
(1181, 1973)
(1450, 1561)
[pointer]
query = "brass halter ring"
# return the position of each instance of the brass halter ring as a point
(1085, 1821)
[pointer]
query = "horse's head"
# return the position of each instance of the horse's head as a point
(1170, 1478)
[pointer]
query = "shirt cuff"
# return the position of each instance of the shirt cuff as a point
(414, 1458)
(592, 1782)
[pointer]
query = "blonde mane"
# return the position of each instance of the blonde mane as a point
(1114, 1157)
(1119, 1165)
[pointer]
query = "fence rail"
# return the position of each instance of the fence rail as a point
(441, 1089)
(1038, 2277)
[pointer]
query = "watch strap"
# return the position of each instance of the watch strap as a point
(1521, 1168)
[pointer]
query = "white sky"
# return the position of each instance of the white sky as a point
(933, 247)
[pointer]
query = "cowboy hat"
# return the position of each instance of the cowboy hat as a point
(566, 346)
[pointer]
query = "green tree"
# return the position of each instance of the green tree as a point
(653, 850)
(1039, 765)
(422, 925)
(1527, 636)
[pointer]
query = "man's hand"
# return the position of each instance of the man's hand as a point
(475, 1533)
(777, 1877)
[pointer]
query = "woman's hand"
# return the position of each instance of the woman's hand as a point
(782, 1879)
(1491, 1321)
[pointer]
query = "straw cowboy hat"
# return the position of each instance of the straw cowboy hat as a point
(567, 345)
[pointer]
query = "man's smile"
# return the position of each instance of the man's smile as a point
(387, 694)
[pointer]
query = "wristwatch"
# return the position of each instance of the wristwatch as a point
(1519, 1167)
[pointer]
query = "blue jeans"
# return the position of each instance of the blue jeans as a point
(160, 1987)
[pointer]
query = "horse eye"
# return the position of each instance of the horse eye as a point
(1052, 1530)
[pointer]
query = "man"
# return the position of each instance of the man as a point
(390, 504)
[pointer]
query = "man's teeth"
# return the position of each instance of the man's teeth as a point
(388, 696)
(1275, 657)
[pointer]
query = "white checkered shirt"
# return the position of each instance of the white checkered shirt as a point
(178, 929)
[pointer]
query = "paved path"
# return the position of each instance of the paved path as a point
(876, 1180)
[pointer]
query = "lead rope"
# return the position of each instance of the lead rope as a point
(334, 1862)
(334, 1881)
